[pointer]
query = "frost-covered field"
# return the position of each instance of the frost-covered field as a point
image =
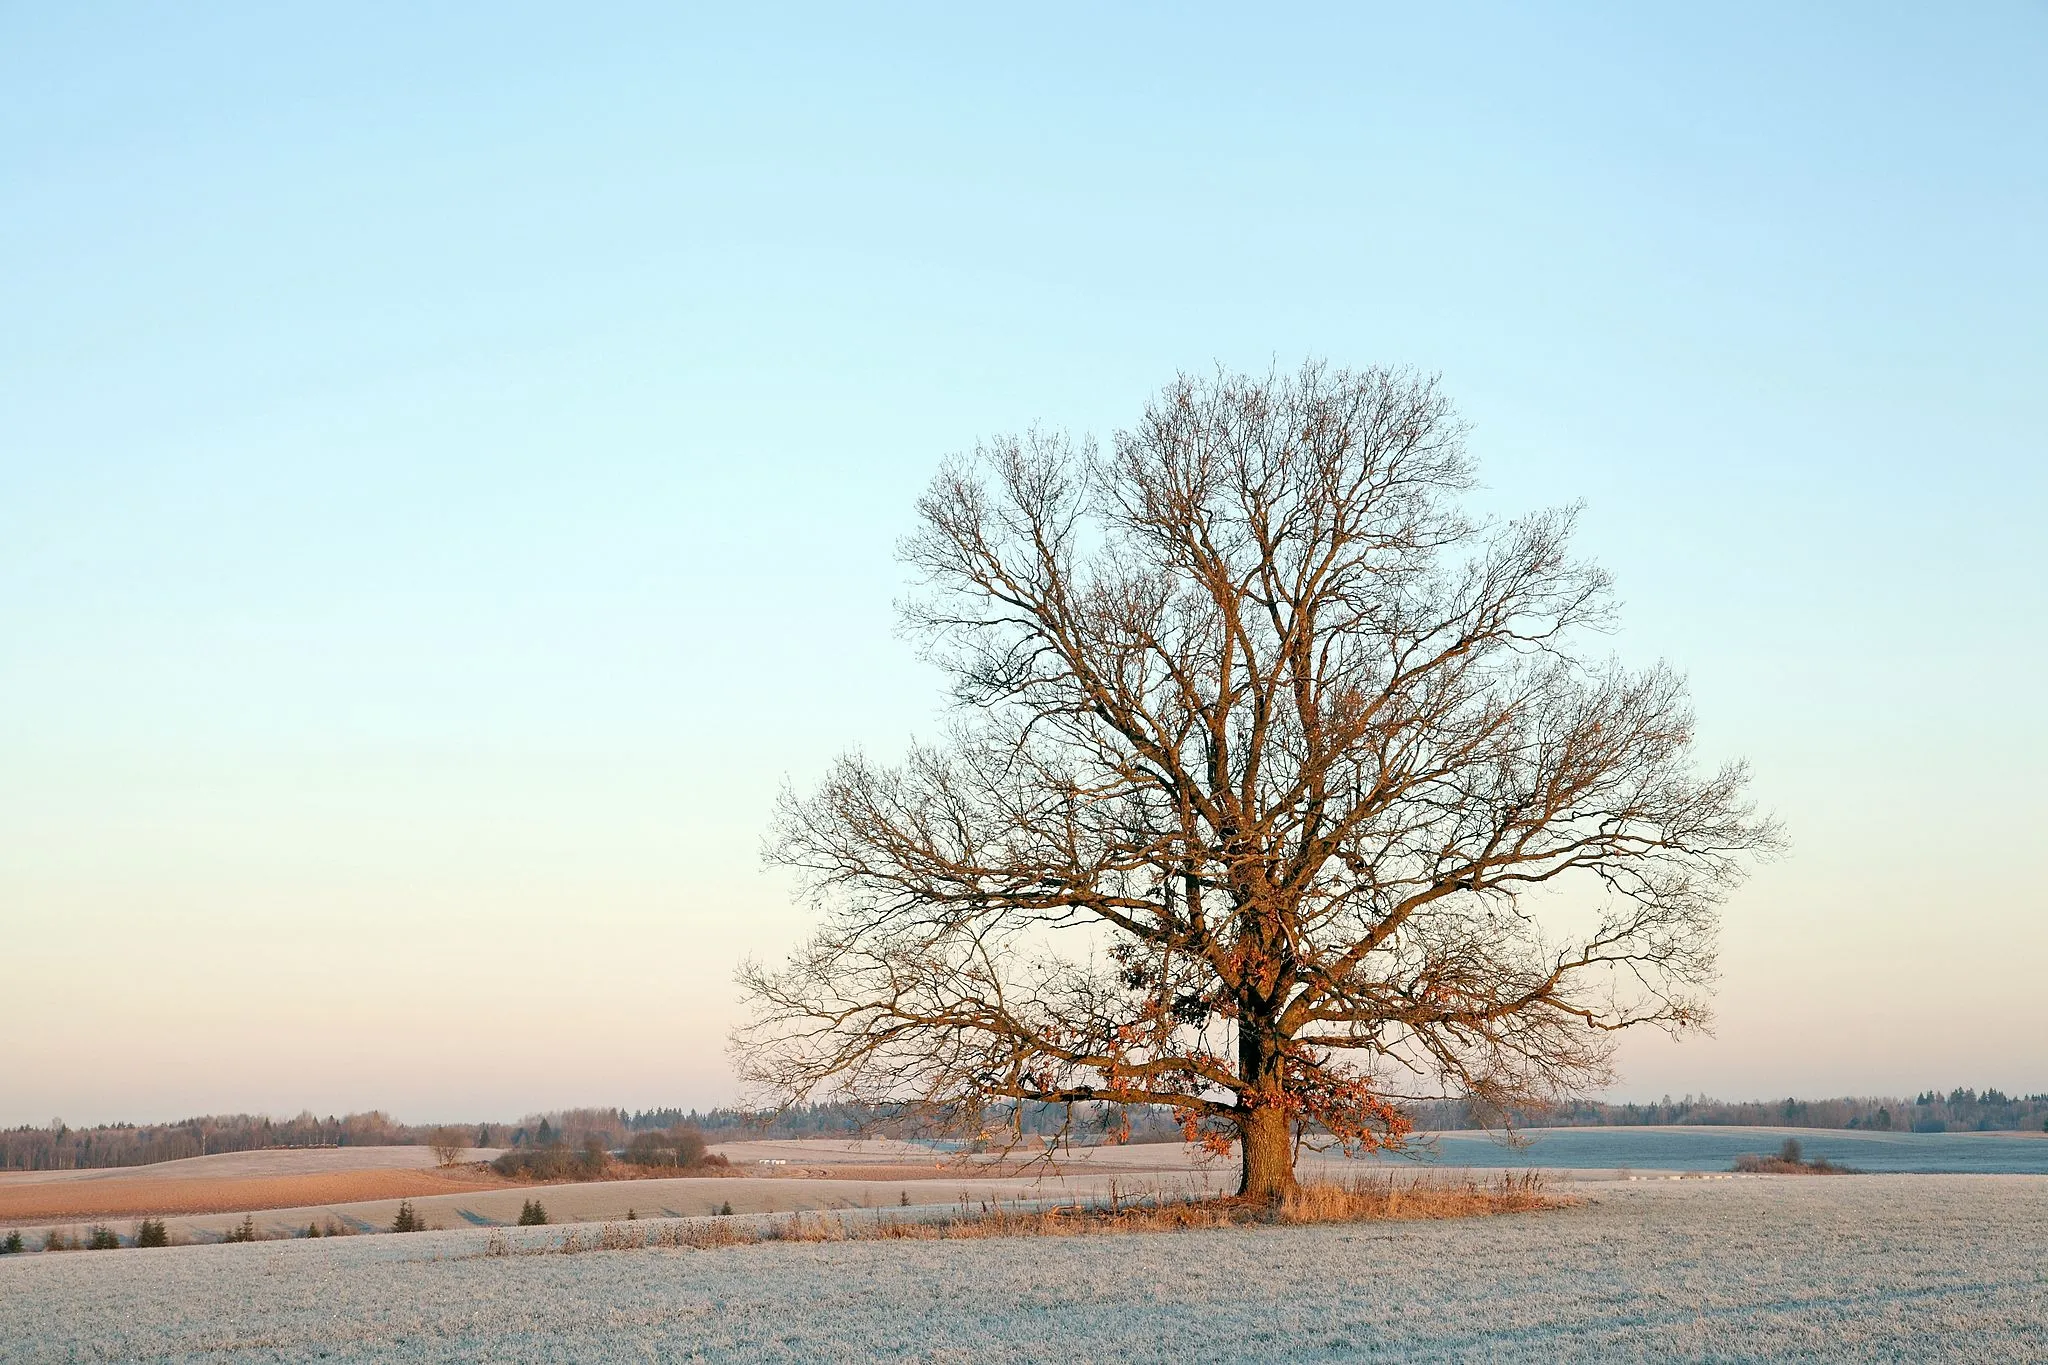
(1873, 1267)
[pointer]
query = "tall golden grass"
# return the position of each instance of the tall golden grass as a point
(1366, 1199)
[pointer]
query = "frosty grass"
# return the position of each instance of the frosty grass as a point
(1866, 1268)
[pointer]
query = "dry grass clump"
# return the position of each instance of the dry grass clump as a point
(1362, 1200)
(1388, 1197)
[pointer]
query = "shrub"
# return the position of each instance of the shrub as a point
(312, 1230)
(407, 1220)
(99, 1237)
(680, 1146)
(725, 1209)
(532, 1215)
(54, 1240)
(11, 1243)
(151, 1232)
(543, 1163)
(1790, 1160)
(245, 1231)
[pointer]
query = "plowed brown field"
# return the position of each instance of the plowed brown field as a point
(134, 1196)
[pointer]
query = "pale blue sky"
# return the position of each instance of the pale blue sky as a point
(449, 468)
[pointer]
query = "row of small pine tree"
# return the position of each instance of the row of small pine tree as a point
(150, 1232)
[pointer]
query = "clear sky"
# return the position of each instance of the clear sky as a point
(449, 468)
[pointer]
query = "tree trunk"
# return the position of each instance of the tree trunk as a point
(1266, 1143)
(1265, 1137)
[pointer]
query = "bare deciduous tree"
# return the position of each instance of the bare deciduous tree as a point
(448, 1144)
(1281, 790)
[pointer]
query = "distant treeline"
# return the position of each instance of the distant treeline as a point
(59, 1147)
(1931, 1111)
(62, 1148)
(614, 1128)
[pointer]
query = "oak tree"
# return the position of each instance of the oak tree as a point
(1281, 789)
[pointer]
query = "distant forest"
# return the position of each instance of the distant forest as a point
(58, 1147)
(1931, 1111)
(61, 1148)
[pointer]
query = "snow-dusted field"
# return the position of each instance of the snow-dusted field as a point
(1866, 1268)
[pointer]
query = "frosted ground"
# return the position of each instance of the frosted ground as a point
(1876, 1267)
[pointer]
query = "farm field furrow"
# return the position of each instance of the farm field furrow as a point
(268, 1161)
(73, 1200)
(1877, 1268)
